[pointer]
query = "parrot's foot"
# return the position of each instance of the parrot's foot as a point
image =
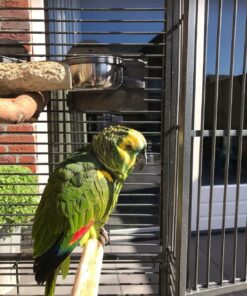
(104, 237)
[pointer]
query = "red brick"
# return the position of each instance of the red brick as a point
(21, 14)
(12, 25)
(16, 138)
(27, 159)
(22, 148)
(15, 36)
(14, 3)
(7, 159)
(20, 128)
(3, 149)
(20, 36)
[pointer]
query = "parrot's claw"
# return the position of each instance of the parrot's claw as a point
(104, 237)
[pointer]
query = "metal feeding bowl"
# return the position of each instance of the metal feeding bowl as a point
(93, 72)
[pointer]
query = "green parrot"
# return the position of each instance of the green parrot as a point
(79, 197)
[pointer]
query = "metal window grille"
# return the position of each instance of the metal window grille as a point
(165, 238)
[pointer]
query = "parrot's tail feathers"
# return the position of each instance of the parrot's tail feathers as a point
(46, 264)
(51, 284)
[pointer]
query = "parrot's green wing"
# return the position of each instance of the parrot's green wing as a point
(75, 195)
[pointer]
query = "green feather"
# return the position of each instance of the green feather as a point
(76, 221)
(81, 218)
(51, 284)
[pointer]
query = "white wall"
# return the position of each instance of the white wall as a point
(40, 49)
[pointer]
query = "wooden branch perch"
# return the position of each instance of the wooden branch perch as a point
(88, 273)
(22, 108)
(28, 80)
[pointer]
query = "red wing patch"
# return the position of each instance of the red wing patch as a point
(81, 232)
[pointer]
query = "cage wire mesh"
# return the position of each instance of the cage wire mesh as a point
(69, 28)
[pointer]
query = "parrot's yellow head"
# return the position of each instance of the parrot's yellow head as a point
(119, 149)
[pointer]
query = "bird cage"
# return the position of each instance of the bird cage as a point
(179, 227)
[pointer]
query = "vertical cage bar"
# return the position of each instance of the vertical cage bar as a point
(199, 185)
(184, 154)
(176, 64)
(17, 278)
(215, 116)
(170, 117)
(228, 137)
(188, 284)
(213, 147)
(240, 148)
(165, 175)
(167, 114)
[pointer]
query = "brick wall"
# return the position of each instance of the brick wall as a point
(13, 25)
(17, 142)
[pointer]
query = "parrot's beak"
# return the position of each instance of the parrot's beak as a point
(141, 160)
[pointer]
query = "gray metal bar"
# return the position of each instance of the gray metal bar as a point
(146, 257)
(88, 20)
(206, 9)
(48, 55)
(213, 151)
(88, 44)
(163, 288)
(240, 148)
(228, 137)
(105, 111)
(102, 9)
(216, 98)
(184, 152)
(83, 32)
(173, 137)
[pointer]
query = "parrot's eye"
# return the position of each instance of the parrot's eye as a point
(128, 147)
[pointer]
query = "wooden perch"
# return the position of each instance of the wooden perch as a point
(18, 78)
(22, 108)
(88, 273)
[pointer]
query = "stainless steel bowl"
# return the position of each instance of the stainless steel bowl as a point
(96, 72)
